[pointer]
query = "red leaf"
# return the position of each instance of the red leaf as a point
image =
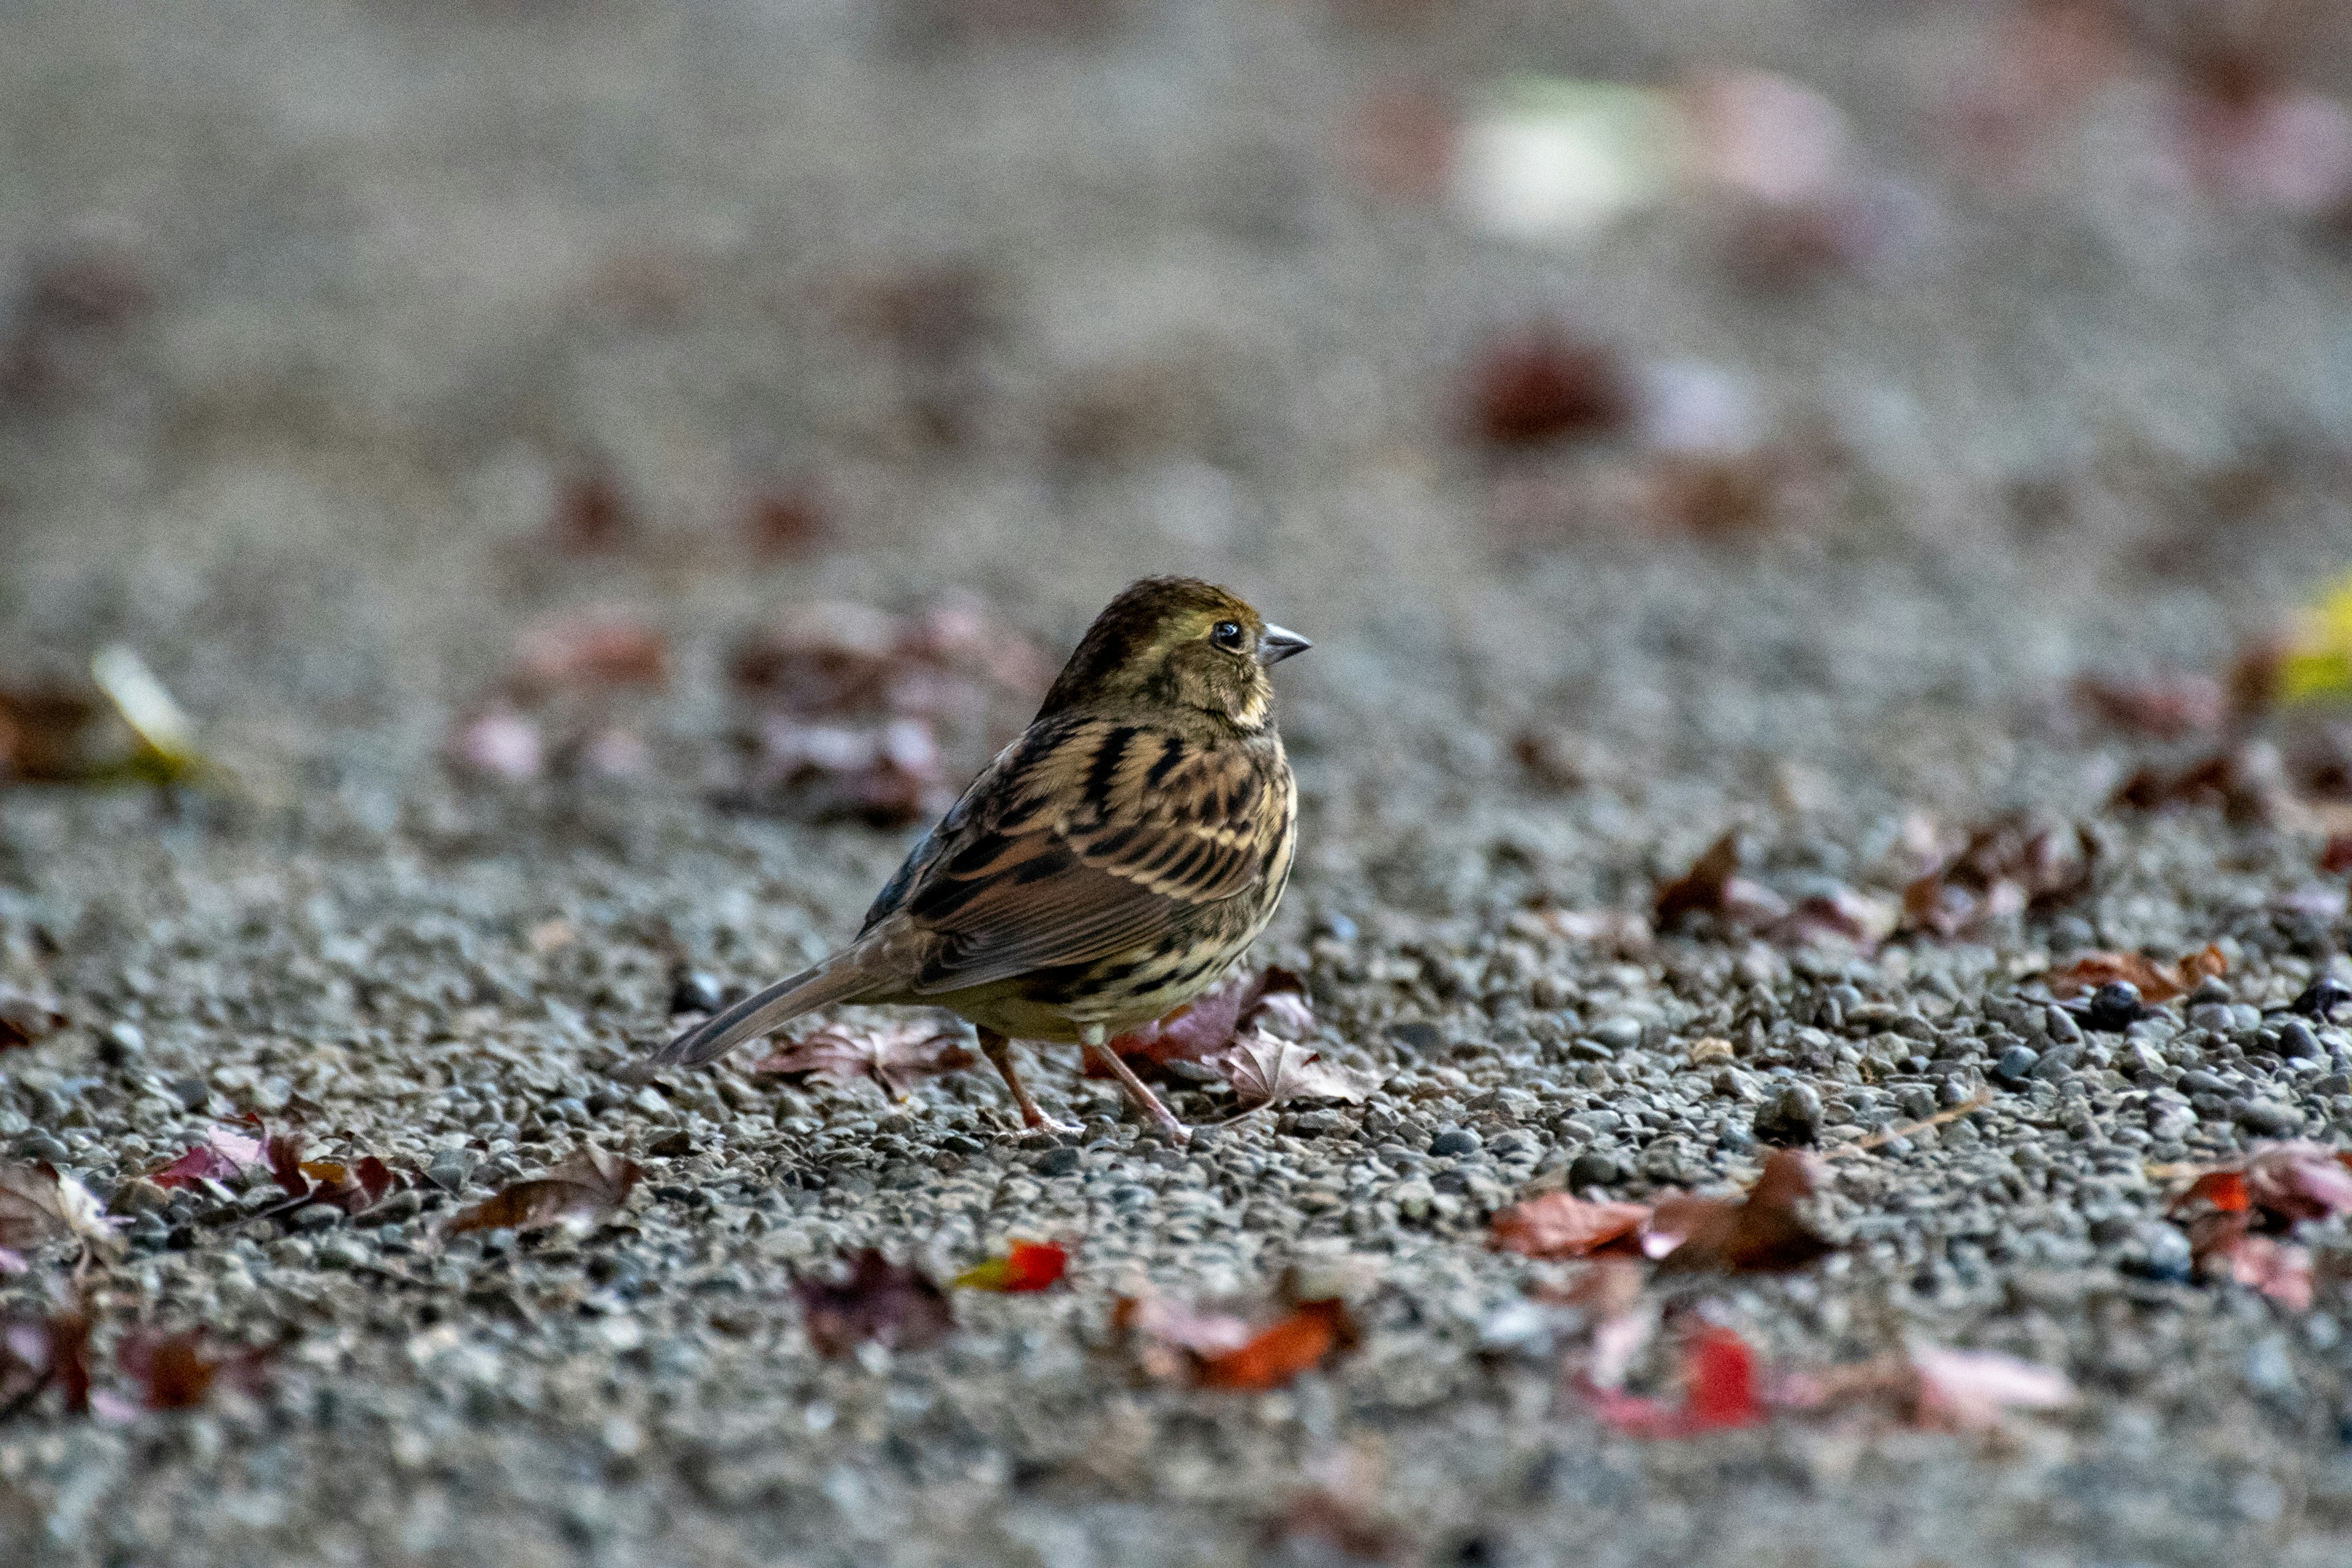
(2337, 858)
(875, 1301)
(201, 1162)
(1719, 1392)
(1278, 1353)
(1208, 1025)
(1559, 1225)
(2297, 1180)
(1026, 1265)
(2225, 1190)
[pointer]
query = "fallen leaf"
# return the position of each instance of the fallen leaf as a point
(2298, 1181)
(1026, 1265)
(1223, 1349)
(1264, 1071)
(1544, 385)
(2248, 783)
(39, 1204)
(1204, 1027)
(23, 1020)
(1279, 1352)
(1759, 1233)
(589, 1185)
(1558, 1225)
(1968, 1390)
(177, 1370)
(2279, 1270)
(2157, 982)
(894, 1054)
(1713, 886)
(874, 1301)
(36, 1352)
(2225, 1190)
(2015, 864)
(223, 1156)
(1720, 1390)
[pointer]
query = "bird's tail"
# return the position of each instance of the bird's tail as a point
(837, 979)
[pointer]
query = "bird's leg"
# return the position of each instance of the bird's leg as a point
(1136, 1090)
(999, 1050)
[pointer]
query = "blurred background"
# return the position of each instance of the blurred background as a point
(1787, 398)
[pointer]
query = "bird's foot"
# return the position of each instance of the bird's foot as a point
(1037, 1124)
(1140, 1095)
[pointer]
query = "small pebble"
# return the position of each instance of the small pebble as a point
(122, 1045)
(2015, 1066)
(1594, 1168)
(1058, 1163)
(2114, 1007)
(1417, 1037)
(1455, 1142)
(692, 991)
(1793, 1116)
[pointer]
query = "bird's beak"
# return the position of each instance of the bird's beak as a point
(1277, 644)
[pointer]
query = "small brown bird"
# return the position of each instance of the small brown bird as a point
(1109, 866)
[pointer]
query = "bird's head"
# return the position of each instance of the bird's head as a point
(1177, 641)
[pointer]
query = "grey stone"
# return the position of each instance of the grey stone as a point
(1456, 1141)
(2016, 1065)
(1793, 1115)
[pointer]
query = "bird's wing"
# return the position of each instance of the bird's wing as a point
(1085, 838)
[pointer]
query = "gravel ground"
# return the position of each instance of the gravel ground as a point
(397, 276)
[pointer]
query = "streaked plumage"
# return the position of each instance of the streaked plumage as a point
(1111, 865)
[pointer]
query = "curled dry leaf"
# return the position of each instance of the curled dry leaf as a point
(1026, 1265)
(893, 1055)
(2018, 863)
(2248, 783)
(874, 1301)
(2157, 982)
(1264, 1071)
(1274, 998)
(2279, 1182)
(590, 1183)
(39, 1204)
(1762, 1232)
(1713, 886)
(1558, 1225)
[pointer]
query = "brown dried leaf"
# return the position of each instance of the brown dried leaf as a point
(38, 1205)
(177, 1371)
(1762, 1232)
(1556, 1225)
(875, 1302)
(893, 1055)
(2248, 783)
(2157, 982)
(589, 1185)
(2016, 863)
(1713, 886)
(1207, 1025)
(1543, 385)
(1264, 1070)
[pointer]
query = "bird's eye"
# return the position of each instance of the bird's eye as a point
(1226, 634)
